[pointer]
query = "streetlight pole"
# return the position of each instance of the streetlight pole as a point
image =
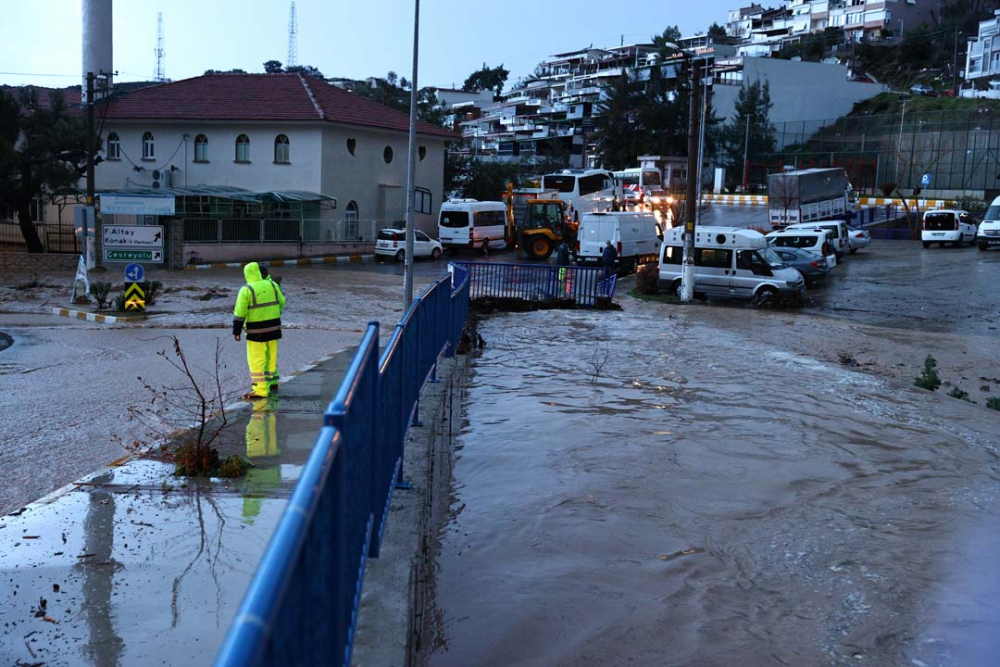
(411, 166)
(693, 169)
(90, 214)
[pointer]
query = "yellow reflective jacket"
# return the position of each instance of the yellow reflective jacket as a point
(258, 307)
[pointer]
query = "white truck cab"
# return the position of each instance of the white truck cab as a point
(729, 262)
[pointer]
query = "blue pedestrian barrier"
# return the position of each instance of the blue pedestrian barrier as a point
(301, 607)
(533, 282)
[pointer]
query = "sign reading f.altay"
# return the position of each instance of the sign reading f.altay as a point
(133, 236)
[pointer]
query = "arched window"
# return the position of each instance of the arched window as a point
(148, 148)
(282, 154)
(422, 152)
(243, 148)
(352, 143)
(387, 154)
(114, 146)
(351, 220)
(201, 148)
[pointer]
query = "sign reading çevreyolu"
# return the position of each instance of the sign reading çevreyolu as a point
(133, 236)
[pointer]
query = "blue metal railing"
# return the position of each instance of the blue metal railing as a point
(302, 604)
(531, 282)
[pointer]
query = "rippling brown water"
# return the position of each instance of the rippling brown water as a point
(699, 499)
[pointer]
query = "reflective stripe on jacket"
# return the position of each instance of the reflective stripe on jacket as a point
(258, 307)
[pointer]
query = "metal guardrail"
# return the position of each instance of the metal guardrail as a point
(279, 230)
(302, 605)
(532, 282)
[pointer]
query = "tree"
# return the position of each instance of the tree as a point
(37, 145)
(226, 71)
(670, 35)
(272, 67)
(487, 78)
(486, 181)
(753, 105)
(617, 133)
(716, 30)
(305, 70)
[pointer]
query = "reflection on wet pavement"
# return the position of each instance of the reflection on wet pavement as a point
(697, 498)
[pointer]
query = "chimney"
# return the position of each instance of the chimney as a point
(97, 52)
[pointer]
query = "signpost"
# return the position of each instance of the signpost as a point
(126, 243)
(135, 297)
(134, 273)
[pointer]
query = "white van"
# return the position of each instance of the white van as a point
(730, 262)
(947, 226)
(583, 190)
(838, 229)
(634, 234)
(988, 235)
(473, 224)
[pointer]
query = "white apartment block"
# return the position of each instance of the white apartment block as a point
(983, 57)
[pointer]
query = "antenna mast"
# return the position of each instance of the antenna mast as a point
(160, 74)
(293, 39)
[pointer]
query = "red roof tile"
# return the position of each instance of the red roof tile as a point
(274, 97)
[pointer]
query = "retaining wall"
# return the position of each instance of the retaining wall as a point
(18, 262)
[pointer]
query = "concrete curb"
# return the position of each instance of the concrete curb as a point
(94, 317)
(302, 261)
(736, 200)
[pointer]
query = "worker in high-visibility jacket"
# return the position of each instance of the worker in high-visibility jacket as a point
(258, 311)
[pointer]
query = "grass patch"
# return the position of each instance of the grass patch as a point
(960, 394)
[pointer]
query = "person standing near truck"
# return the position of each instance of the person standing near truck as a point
(258, 310)
(608, 257)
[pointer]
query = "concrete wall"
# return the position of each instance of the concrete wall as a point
(172, 149)
(208, 253)
(22, 262)
(799, 90)
(378, 187)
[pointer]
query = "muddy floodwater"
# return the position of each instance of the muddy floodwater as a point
(645, 488)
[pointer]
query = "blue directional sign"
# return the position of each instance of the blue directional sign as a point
(925, 180)
(134, 273)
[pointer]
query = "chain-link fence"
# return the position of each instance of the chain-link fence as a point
(279, 230)
(957, 151)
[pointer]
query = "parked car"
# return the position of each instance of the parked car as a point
(729, 262)
(392, 243)
(858, 238)
(811, 265)
(923, 89)
(947, 226)
(988, 235)
(816, 240)
(838, 233)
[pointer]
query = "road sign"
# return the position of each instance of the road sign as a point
(132, 205)
(133, 236)
(150, 256)
(134, 273)
(135, 297)
(925, 180)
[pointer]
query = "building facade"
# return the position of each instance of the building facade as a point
(982, 61)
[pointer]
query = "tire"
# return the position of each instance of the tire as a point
(401, 256)
(927, 244)
(436, 254)
(539, 248)
(982, 247)
(853, 250)
(765, 296)
(959, 242)
(675, 288)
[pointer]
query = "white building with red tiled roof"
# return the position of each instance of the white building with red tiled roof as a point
(268, 134)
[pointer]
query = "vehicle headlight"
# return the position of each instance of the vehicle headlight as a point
(792, 283)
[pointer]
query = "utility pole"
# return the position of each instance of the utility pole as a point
(293, 39)
(160, 74)
(691, 203)
(746, 155)
(706, 92)
(954, 72)
(411, 165)
(91, 216)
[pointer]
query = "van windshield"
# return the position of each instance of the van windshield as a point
(992, 213)
(454, 219)
(651, 178)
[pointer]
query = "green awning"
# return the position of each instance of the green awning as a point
(219, 191)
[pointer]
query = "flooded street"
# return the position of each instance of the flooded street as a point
(664, 486)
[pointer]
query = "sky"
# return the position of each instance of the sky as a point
(41, 41)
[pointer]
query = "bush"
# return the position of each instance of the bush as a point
(120, 303)
(151, 289)
(646, 278)
(887, 189)
(960, 394)
(929, 378)
(993, 403)
(100, 291)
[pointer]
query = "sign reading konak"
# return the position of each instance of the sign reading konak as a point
(133, 236)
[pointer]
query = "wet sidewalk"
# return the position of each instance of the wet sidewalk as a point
(133, 566)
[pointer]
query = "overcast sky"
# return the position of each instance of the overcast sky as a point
(352, 38)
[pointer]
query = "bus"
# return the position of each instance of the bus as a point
(636, 182)
(583, 190)
(473, 224)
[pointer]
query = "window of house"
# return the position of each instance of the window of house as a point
(352, 144)
(422, 200)
(148, 147)
(422, 152)
(114, 146)
(351, 220)
(201, 148)
(282, 152)
(387, 154)
(243, 148)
